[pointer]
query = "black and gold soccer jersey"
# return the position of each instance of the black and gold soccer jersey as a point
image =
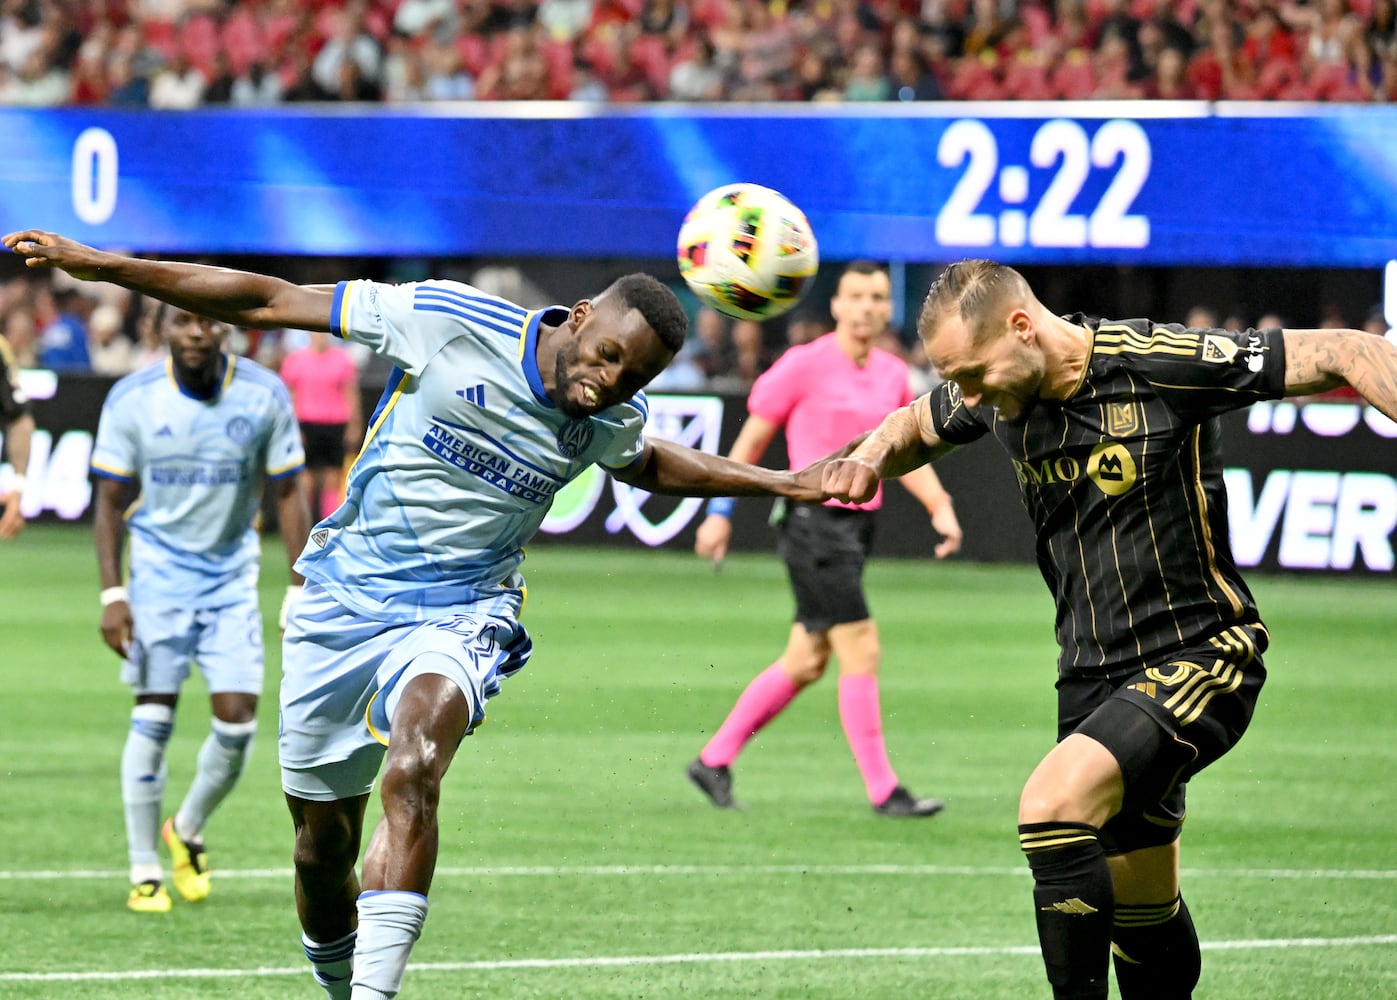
(1124, 484)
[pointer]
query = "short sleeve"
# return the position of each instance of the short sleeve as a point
(953, 421)
(285, 453)
(777, 390)
(628, 442)
(116, 452)
(388, 320)
(1224, 369)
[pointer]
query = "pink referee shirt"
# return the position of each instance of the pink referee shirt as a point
(823, 400)
(318, 382)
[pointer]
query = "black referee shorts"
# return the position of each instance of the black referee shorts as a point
(324, 445)
(1164, 724)
(824, 549)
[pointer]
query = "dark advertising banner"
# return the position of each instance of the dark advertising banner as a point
(1311, 488)
(1121, 183)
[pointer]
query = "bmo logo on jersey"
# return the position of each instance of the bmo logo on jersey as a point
(1316, 519)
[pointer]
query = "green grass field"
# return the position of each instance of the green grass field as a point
(577, 861)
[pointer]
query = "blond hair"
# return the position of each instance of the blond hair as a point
(978, 291)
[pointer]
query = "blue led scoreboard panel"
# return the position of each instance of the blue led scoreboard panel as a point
(1128, 183)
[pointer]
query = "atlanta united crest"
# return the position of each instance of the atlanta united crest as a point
(574, 437)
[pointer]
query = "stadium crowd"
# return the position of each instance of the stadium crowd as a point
(185, 53)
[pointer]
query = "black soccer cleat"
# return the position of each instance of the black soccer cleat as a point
(715, 782)
(901, 802)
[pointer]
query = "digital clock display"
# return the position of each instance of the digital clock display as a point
(1152, 183)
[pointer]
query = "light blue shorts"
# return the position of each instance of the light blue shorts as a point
(343, 675)
(225, 642)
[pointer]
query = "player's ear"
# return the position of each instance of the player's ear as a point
(579, 312)
(1021, 325)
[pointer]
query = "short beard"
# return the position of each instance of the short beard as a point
(562, 382)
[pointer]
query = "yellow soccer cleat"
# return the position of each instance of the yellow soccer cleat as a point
(192, 878)
(148, 897)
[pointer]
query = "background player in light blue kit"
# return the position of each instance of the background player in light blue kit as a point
(409, 621)
(183, 449)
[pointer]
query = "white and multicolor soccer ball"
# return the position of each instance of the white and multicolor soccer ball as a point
(747, 251)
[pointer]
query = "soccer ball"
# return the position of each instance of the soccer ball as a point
(747, 251)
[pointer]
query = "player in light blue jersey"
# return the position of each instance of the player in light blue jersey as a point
(409, 620)
(183, 449)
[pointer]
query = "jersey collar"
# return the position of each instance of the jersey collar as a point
(528, 348)
(229, 362)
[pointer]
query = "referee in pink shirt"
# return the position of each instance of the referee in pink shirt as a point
(824, 394)
(324, 384)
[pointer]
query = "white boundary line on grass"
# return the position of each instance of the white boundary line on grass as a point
(553, 871)
(693, 958)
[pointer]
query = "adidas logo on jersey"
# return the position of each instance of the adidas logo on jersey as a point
(474, 394)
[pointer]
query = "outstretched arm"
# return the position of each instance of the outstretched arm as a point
(904, 441)
(1320, 360)
(666, 467)
(238, 297)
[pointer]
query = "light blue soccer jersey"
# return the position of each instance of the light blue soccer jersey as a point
(201, 465)
(463, 455)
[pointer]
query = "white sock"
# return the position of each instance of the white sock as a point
(390, 922)
(332, 964)
(143, 785)
(221, 761)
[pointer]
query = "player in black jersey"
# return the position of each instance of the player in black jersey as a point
(18, 428)
(1113, 433)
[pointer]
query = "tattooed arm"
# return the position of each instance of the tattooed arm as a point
(1320, 360)
(904, 441)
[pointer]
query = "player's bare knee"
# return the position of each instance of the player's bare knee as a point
(233, 706)
(806, 669)
(411, 788)
(1043, 804)
(325, 850)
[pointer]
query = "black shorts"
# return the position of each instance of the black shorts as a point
(1164, 724)
(324, 445)
(824, 549)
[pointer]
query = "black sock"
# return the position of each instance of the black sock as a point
(1074, 900)
(1156, 951)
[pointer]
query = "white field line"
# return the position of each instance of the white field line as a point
(693, 958)
(620, 871)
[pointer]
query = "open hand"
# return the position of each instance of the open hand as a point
(948, 527)
(116, 627)
(41, 249)
(714, 534)
(11, 520)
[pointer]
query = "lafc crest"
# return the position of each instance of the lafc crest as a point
(1122, 418)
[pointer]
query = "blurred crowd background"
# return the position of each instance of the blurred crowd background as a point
(184, 53)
